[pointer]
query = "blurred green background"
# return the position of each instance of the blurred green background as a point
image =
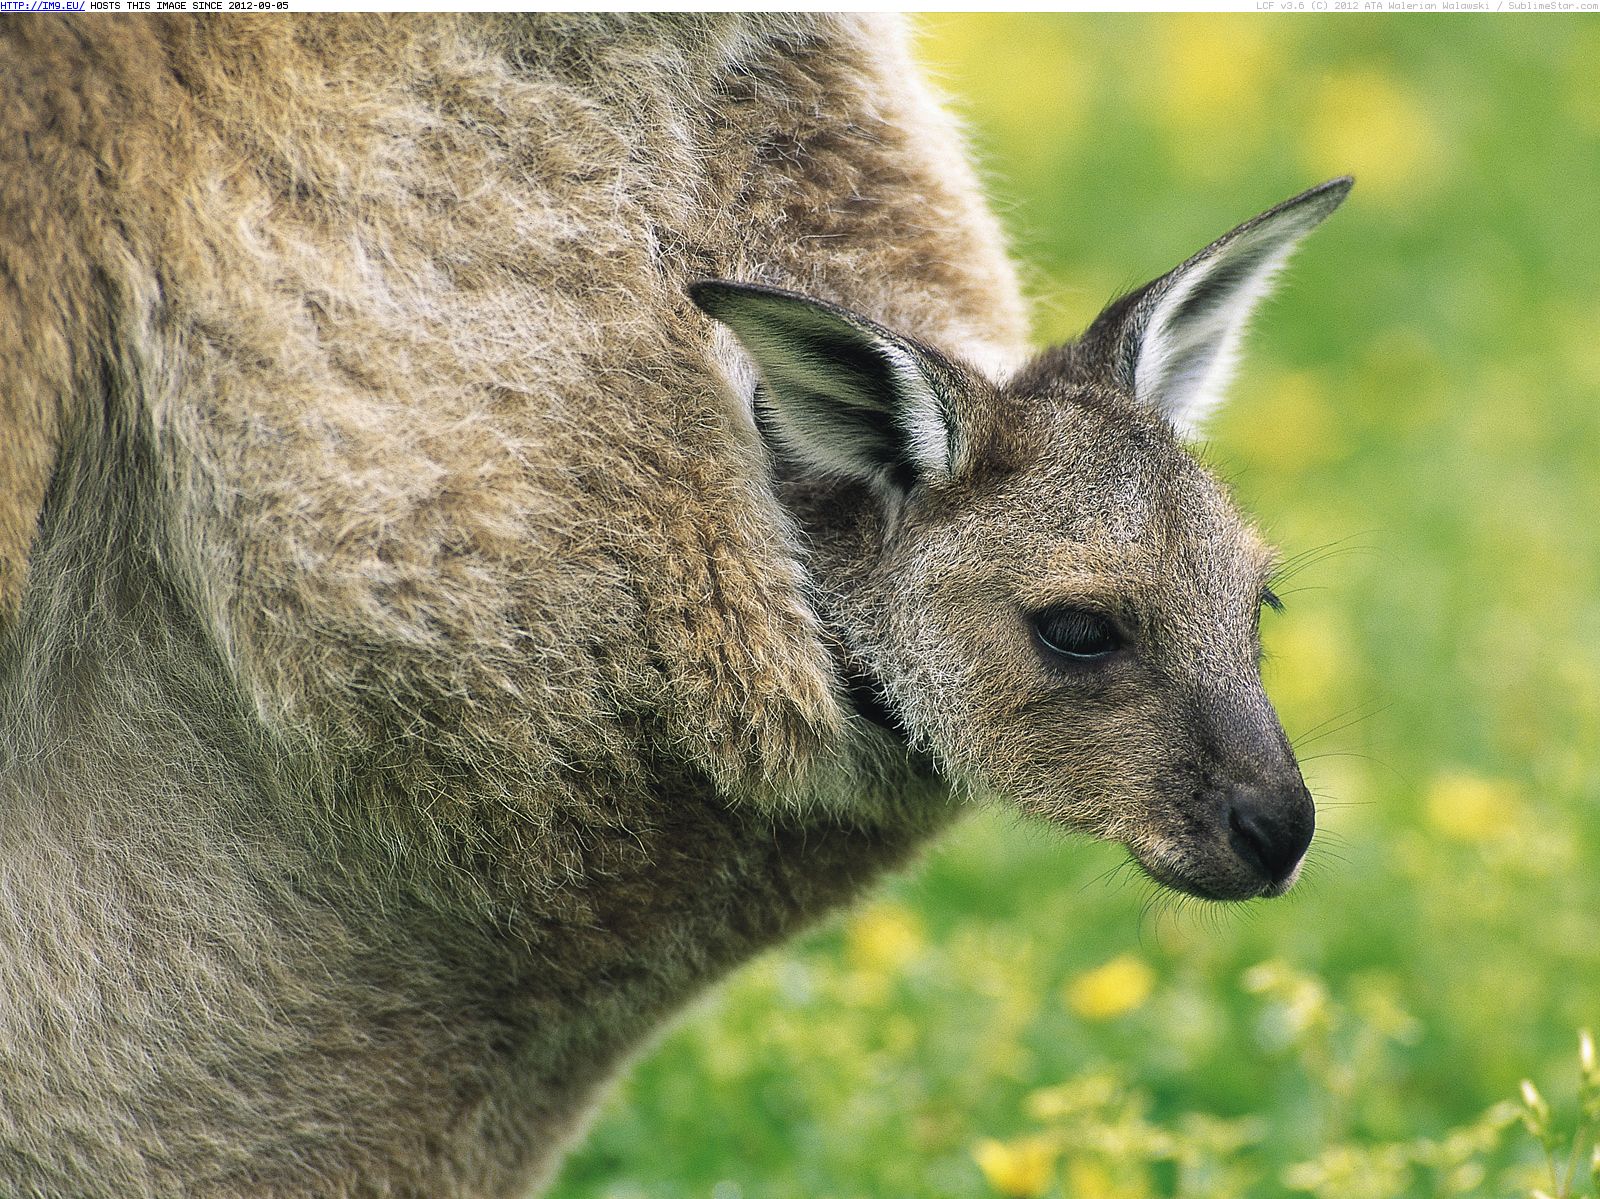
(1419, 417)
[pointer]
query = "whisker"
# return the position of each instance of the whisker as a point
(1328, 803)
(1351, 717)
(1147, 905)
(1311, 880)
(1111, 879)
(1318, 554)
(1395, 772)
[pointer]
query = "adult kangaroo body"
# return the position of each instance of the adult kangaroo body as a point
(426, 656)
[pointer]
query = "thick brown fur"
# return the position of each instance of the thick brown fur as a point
(422, 671)
(409, 691)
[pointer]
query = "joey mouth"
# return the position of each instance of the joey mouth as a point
(1205, 881)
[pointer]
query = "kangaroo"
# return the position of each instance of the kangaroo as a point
(502, 519)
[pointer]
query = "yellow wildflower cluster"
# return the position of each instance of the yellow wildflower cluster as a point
(1377, 129)
(1111, 990)
(1468, 807)
(884, 937)
(1021, 1169)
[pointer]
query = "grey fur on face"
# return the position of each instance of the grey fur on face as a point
(419, 677)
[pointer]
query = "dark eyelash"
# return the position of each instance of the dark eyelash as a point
(1077, 634)
(1269, 597)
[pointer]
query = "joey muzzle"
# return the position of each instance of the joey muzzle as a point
(1248, 817)
(1234, 841)
(1264, 812)
(1237, 840)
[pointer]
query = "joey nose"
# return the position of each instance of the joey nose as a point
(1271, 827)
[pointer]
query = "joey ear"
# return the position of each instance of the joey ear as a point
(842, 393)
(1173, 343)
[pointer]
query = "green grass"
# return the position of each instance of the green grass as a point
(1420, 416)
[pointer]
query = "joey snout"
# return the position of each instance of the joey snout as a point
(1237, 818)
(1234, 839)
(1239, 838)
(1253, 796)
(1269, 829)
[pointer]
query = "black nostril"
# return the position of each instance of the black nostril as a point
(1270, 830)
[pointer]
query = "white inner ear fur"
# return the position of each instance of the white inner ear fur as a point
(919, 413)
(1188, 351)
(808, 394)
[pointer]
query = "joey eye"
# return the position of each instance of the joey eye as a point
(1269, 599)
(1076, 633)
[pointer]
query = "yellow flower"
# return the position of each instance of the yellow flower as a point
(1069, 1100)
(1307, 651)
(1111, 990)
(1022, 1169)
(1365, 123)
(884, 938)
(1291, 427)
(1211, 78)
(1089, 1179)
(1213, 64)
(1050, 83)
(1466, 807)
(1300, 1000)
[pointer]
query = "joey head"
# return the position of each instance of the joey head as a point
(1038, 585)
